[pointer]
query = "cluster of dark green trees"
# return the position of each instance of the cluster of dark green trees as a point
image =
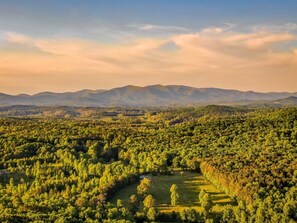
(65, 170)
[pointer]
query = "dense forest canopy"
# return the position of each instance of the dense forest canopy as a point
(64, 167)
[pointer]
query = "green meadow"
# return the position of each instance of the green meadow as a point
(189, 185)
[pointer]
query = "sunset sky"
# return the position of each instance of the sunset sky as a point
(68, 45)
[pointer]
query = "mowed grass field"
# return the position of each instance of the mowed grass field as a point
(189, 185)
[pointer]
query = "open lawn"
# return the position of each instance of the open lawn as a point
(189, 185)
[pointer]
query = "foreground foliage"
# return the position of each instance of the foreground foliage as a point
(65, 170)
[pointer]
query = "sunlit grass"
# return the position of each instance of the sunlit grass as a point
(189, 185)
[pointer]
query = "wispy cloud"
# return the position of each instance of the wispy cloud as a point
(158, 28)
(219, 29)
(285, 27)
(16, 37)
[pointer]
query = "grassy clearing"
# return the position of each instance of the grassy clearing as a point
(189, 185)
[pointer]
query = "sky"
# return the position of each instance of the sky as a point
(54, 45)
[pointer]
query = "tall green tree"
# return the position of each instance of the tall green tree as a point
(144, 186)
(206, 203)
(149, 201)
(174, 195)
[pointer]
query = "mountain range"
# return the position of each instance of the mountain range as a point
(154, 95)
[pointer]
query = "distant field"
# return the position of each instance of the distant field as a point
(189, 185)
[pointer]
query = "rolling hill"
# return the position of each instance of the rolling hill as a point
(292, 100)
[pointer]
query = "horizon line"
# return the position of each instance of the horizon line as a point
(144, 86)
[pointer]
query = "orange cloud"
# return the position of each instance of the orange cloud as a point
(213, 57)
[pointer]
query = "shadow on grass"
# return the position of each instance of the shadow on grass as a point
(215, 198)
(223, 203)
(216, 193)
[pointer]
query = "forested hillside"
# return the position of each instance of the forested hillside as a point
(68, 169)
